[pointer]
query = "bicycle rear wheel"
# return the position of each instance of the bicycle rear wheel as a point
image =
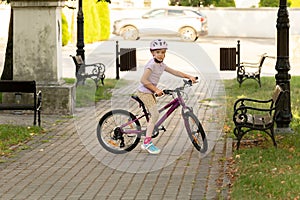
(195, 131)
(112, 137)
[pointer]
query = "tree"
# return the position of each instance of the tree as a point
(7, 73)
(104, 18)
(224, 3)
(96, 20)
(65, 30)
(271, 3)
(195, 3)
(295, 3)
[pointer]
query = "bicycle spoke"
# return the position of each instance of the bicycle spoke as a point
(112, 137)
(196, 132)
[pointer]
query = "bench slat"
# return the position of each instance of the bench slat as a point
(17, 107)
(17, 86)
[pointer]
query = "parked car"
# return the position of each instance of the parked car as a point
(187, 23)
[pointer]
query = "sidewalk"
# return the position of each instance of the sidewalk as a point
(69, 163)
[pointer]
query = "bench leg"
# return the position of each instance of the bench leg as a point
(272, 135)
(238, 133)
(239, 81)
(39, 118)
(34, 118)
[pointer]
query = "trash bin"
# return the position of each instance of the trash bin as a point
(128, 59)
(228, 59)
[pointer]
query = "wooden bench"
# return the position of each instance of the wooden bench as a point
(20, 87)
(248, 70)
(93, 71)
(252, 114)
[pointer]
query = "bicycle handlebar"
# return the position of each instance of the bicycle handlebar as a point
(186, 82)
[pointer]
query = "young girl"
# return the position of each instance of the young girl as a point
(148, 88)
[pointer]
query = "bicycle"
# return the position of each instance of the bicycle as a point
(119, 131)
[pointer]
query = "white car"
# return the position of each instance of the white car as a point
(187, 23)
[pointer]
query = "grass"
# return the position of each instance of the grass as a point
(14, 138)
(262, 171)
(88, 94)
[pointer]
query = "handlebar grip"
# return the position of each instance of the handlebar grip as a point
(190, 82)
(167, 91)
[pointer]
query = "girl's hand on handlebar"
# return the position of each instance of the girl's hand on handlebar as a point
(159, 93)
(193, 79)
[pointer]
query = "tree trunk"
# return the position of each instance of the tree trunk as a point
(7, 73)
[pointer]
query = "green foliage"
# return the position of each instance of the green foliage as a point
(271, 3)
(91, 21)
(96, 21)
(65, 30)
(195, 3)
(295, 3)
(224, 3)
(104, 17)
(188, 3)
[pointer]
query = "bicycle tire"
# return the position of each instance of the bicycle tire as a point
(106, 132)
(196, 132)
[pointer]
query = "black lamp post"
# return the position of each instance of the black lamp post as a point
(80, 31)
(283, 112)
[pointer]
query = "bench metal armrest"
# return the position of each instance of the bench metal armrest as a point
(249, 108)
(241, 102)
(250, 65)
(39, 102)
(255, 64)
(273, 57)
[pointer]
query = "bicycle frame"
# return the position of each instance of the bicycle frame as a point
(171, 106)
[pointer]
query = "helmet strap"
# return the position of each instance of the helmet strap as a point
(157, 61)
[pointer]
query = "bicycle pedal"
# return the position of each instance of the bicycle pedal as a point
(163, 129)
(122, 145)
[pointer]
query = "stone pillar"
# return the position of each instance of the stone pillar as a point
(37, 51)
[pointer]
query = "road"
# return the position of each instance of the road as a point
(204, 54)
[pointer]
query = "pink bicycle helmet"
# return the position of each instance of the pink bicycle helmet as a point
(158, 44)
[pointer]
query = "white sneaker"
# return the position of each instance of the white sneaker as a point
(151, 148)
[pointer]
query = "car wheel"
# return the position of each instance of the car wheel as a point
(188, 34)
(129, 33)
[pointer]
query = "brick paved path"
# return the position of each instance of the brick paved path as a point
(69, 163)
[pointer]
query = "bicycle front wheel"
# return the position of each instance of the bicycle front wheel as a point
(117, 139)
(195, 131)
